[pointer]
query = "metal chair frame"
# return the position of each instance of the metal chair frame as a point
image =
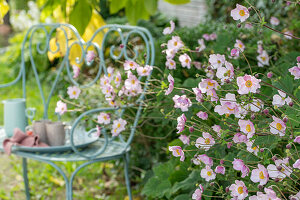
(124, 32)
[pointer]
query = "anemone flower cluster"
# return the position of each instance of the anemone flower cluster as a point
(229, 116)
(114, 88)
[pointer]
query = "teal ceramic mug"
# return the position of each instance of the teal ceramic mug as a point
(15, 115)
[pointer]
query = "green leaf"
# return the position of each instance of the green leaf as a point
(135, 10)
(159, 185)
(156, 187)
(176, 2)
(116, 5)
(265, 140)
(183, 197)
(188, 183)
(80, 15)
(163, 85)
(151, 6)
(190, 82)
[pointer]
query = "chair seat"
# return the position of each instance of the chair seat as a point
(113, 150)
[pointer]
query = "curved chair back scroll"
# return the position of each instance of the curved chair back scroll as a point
(124, 33)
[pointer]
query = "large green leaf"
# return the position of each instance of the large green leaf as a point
(151, 6)
(116, 5)
(267, 140)
(80, 15)
(183, 197)
(178, 1)
(156, 187)
(190, 82)
(135, 10)
(159, 185)
(188, 183)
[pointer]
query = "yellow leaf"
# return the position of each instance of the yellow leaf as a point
(4, 8)
(53, 47)
(75, 52)
(96, 22)
(134, 198)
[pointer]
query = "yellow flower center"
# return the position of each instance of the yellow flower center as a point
(74, 92)
(254, 148)
(263, 58)
(230, 109)
(210, 83)
(278, 126)
(109, 75)
(175, 43)
(261, 175)
(131, 64)
(187, 60)
(209, 173)
(144, 71)
(241, 46)
(219, 62)
(171, 63)
(248, 83)
(242, 13)
(228, 73)
(117, 79)
(105, 118)
(258, 104)
(248, 128)
(133, 81)
(177, 151)
(119, 125)
(207, 141)
(240, 190)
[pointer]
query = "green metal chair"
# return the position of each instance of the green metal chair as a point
(104, 149)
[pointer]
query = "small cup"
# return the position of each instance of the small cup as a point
(39, 128)
(55, 133)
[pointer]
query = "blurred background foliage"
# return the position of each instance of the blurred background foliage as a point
(152, 170)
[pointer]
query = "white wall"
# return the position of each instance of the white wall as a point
(188, 14)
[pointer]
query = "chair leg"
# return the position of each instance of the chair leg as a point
(24, 165)
(126, 163)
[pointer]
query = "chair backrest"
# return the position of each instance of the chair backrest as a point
(72, 42)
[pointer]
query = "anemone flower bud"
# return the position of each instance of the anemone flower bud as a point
(262, 150)
(229, 144)
(227, 189)
(279, 168)
(266, 111)
(191, 129)
(269, 74)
